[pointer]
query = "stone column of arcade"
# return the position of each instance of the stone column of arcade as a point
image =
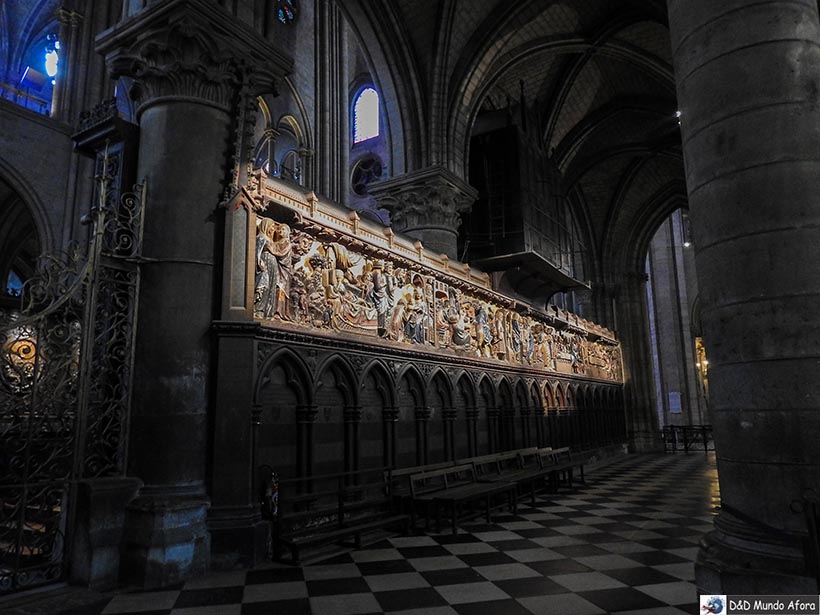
(748, 80)
(184, 65)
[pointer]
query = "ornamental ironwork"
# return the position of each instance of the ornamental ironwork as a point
(65, 380)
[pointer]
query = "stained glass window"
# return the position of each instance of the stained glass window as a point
(52, 56)
(366, 115)
(286, 11)
(14, 285)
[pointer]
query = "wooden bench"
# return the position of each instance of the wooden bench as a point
(455, 486)
(564, 464)
(524, 467)
(399, 489)
(322, 510)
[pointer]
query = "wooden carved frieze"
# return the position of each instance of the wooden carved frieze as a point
(311, 276)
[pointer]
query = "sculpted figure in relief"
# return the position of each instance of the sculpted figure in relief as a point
(266, 265)
(418, 314)
(483, 331)
(453, 316)
(381, 294)
(305, 281)
(499, 341)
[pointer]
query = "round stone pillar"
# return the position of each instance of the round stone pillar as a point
(748, 80)
(182, 156)
(185, 58)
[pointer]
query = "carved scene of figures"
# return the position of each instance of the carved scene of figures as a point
(323, 284)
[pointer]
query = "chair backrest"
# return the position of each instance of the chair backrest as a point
(528, 457)
(436, 480)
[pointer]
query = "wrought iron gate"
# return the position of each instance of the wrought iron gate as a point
(65, 381)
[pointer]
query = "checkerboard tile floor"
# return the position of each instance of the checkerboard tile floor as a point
(623, 543)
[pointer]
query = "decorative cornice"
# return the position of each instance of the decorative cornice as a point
(101, 112)
(190, 49)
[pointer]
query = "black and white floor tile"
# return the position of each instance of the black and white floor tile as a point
(623, 543)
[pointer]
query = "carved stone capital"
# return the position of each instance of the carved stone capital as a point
(190, 49)
(271, 133)
(69, 18)
(352, 414)
(390, 415)
(306, 414)
(449, 414)
(431, 198)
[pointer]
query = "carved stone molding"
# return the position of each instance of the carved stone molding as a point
(69, 18)
(433, 198)
(352, 414)
(190, 49)
(449, 414)
(306, 414)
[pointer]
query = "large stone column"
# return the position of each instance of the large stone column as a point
(642, 428)
(185, 58)
(427, 205)
(748, 79)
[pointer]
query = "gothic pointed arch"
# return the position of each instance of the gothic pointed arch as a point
(14, 186)
(383, 381)
(296, 371)
(487, 390)
(549, 395)
(536, 397)
(411, 377)
(522, 398)
(345, 378)
(467, 388)
(440, 384)
(560, 396)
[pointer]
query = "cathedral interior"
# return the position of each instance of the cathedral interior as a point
(256, 254)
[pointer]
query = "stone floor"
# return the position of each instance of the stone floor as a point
(623, 543)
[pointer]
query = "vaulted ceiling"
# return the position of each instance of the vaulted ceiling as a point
(595, 74)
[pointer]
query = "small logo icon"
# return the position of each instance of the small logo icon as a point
(712, 605)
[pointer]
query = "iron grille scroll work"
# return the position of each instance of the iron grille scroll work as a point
(65, 381)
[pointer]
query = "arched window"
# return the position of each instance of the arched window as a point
(14, 285)
(366, 115)
(291, 167)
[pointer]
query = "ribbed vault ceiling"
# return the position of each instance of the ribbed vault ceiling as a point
(597, 77)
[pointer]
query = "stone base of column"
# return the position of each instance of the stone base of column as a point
(240, 538)
(166, 540)
(745, 562)
(98, 533)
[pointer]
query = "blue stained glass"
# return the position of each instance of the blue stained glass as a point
(14, 285)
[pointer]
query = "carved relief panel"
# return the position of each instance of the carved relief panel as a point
(308, 276)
